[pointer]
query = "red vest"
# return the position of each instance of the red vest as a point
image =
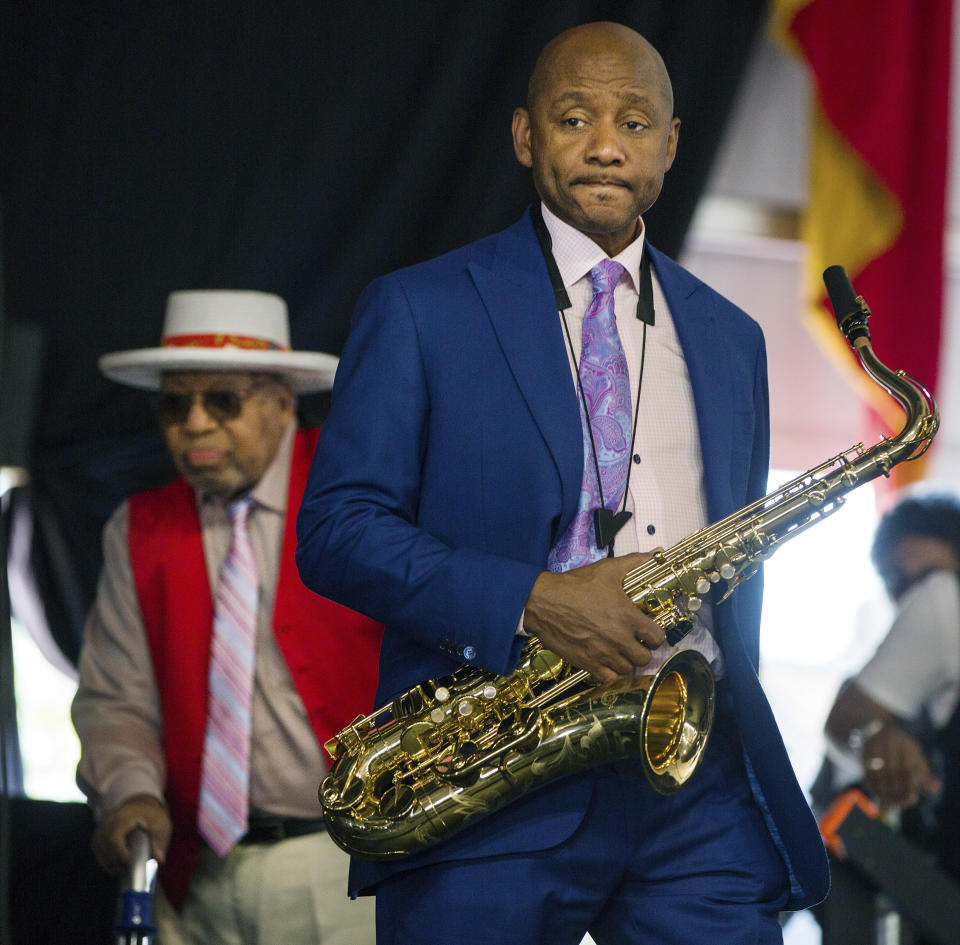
(331, 651)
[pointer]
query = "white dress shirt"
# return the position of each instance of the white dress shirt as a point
(916, 668)
(665, 492)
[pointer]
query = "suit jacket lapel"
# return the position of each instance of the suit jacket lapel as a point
(515, 289)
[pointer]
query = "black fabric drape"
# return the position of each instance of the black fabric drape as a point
(298, 147)
(59, 894)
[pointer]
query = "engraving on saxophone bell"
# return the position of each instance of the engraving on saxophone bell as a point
(453, 750)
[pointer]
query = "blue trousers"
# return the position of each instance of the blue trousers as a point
(695, 868)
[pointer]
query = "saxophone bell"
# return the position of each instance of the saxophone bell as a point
(676, 720)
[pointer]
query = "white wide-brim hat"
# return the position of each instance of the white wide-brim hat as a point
(223, 330)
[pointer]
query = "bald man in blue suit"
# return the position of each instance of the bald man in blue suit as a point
(450, 466)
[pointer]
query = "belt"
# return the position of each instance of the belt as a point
(266, 828)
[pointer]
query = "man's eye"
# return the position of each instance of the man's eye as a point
(634, 125)
(573, 122)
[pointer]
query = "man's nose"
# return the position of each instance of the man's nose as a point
(198, 417)
(605, 145)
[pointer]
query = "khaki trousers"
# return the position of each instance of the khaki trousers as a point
(293, 892)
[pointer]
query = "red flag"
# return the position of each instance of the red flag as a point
(878, 172)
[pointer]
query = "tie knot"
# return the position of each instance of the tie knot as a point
(605, 275)
(238, 511)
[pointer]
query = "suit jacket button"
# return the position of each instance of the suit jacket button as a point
(469, 652)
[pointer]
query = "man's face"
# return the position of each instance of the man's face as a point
(911, 559)
(225, 441)
(599, 135)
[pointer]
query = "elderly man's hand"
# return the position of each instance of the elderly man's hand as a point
(110, 838)
(896, 769)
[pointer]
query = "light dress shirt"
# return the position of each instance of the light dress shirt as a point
(665, 491)
(117, 710)
(916, 668)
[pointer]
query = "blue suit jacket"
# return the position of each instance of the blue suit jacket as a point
(451, 461)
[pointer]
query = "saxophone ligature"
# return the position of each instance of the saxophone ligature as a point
(453, 750)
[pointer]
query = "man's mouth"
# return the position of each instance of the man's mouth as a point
(205, 456)
(599, 182)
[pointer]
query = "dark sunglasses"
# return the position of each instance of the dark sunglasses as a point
(220, 403)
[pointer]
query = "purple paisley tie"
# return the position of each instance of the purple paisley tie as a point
(606, 389)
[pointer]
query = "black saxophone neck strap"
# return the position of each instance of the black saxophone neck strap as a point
(645, 310)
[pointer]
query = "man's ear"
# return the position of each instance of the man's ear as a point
(521, 137)
(288, 397)
(672, 140)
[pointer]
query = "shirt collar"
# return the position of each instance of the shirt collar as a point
(576, 254)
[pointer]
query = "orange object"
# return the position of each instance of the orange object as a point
(838, 812)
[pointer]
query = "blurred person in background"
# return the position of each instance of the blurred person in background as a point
(210, 677)
(898, 718)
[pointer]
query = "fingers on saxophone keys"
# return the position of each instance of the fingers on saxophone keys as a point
(649, 634)
(641, 659)
(625, 659)
(605, 675)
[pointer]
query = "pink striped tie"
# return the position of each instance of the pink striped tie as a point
(225, 769)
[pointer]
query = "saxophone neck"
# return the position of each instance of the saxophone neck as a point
(922, 414)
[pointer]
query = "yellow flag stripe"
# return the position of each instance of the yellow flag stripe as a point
(851, 218)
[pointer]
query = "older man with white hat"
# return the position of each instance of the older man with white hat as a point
(210, 677)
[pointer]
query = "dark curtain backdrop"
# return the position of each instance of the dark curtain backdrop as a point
(294, 146)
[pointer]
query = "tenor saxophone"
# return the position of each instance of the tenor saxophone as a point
(452, 750)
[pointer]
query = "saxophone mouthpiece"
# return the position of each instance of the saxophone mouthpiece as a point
(849, 309)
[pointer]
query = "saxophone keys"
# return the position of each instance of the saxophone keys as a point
(703, 585)
(396, 801)
(694, 603)
(727, 571)
(682, 626)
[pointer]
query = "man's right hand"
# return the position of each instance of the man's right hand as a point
(584, 616)
(110, 838)
(896, 769)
